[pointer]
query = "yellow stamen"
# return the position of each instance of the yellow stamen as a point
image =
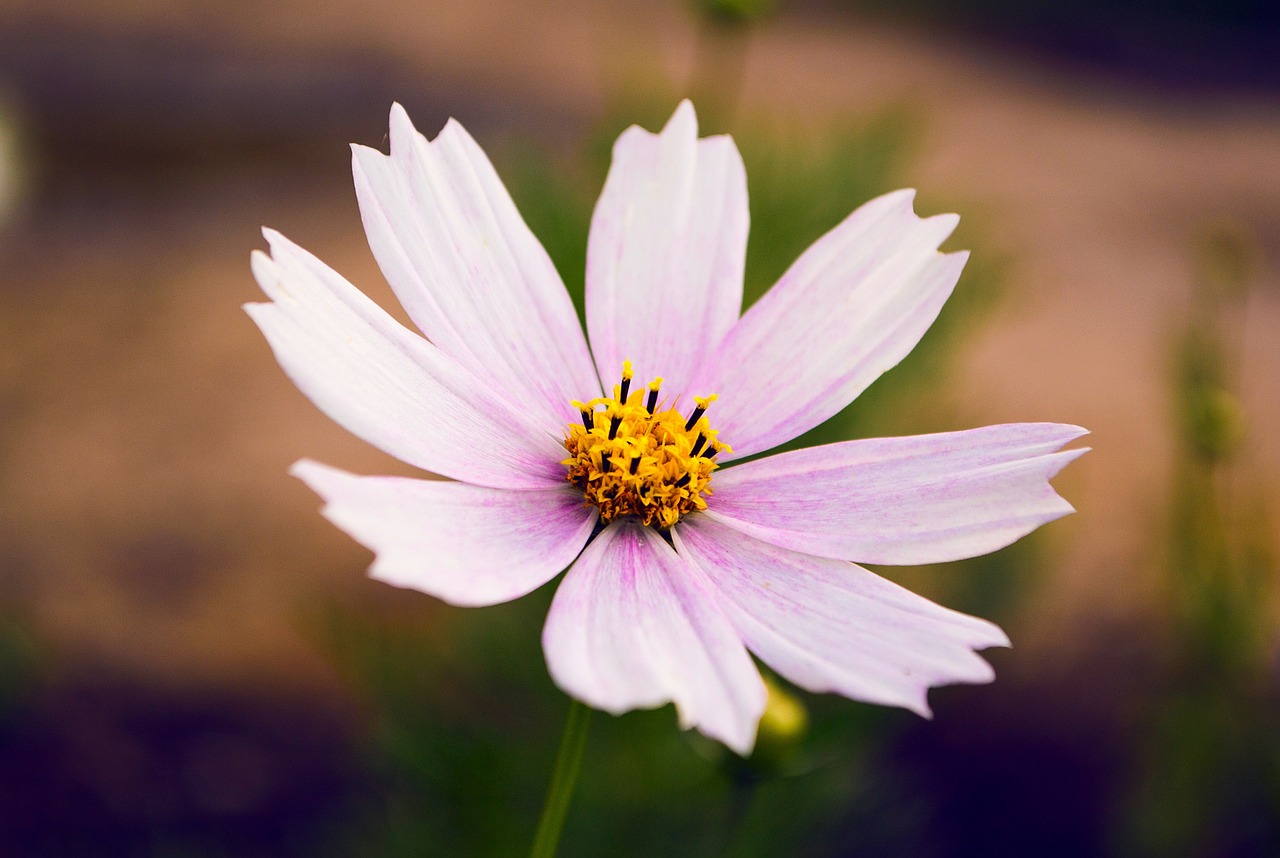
(631, 459)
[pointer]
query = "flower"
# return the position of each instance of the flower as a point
(678, 566)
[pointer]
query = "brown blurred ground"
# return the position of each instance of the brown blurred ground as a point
(148, 522)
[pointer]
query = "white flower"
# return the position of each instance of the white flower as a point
(672, 580)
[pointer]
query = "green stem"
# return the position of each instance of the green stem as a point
(563, 778)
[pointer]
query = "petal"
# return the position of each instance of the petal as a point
(469, 271)
(632, 626)
(851, 307)
(828, 625)
(388, 385)
(901, 501)
(468, 545)
(666, 252)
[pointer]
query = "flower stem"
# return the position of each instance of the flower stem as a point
(563, 778)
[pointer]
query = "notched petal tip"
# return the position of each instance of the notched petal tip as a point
(277, 240)
(830, 626)
(271, 280)
(404, 139)
(982, 674)
(999, 639)
(902, 197)
(452, 127)
(933, 229)
(680, 128)
(360, 155)
(1074, 431)
(259, 257)
(283, 251)
(683, 121)
(938, 228)
(1060, 460)
(741, 745)
(632, 627)
(739, 738)
(915, 701)
(907, 197)
(314, 473)
(326, 481)
(946, 220)
(400, 127)
(405, 135)
(951, 264)
(1059, 433)
(1066, 457)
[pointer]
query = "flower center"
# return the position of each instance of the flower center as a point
(631, 457)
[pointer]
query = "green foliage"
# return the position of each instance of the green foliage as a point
(1208, 780)
(734, 12)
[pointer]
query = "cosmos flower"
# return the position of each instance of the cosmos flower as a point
(679, 563)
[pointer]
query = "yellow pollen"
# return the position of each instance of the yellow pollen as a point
(630, 456)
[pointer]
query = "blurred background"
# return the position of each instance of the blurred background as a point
(191, 660)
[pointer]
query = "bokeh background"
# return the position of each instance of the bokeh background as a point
(191, 660)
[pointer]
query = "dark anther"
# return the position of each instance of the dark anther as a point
(653, 399)
(635, 465)
(693, 418)
(713, 452)
(626, 386)
(588, 420)
(697, 445)
(605, 465)
(683, 481)
(613, 427)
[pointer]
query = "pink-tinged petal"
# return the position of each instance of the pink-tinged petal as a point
(388, 385)
(468, 545)
(828, 625)
(902, 501)
(633, 626)
(851, 307)
(666, 252)
(469, 271)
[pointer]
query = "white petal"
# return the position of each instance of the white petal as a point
(828, 625)
(469, 271)
(632, 626)
(901, 501)
(666, 252)
(388, 385)
(468, 545)
(851, 307)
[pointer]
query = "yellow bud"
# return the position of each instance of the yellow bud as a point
(782, 728)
